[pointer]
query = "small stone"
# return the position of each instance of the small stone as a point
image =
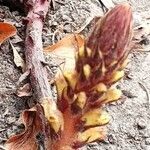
(2, 139)
(144, 41)
(144, 133)
(21, 126)
(147, 141)
(145, 147)
(132, 134)
(105, 141)
(66, 18)
(142, 144)
(15, 128)
(111, 139)
(11, 120)
(141, 123)
(137, 19)
(55, 23)
(9, 132)
(67, 28)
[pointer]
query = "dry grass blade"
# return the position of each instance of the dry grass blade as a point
(19, 62)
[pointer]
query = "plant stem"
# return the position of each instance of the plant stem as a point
(34, 49)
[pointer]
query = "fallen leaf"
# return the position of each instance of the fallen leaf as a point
(19, 62)
(25, 90)
(6, 30)
(35, 126)
(65, 49)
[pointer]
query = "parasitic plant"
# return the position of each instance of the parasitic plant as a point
(83, 88)
(82, 91)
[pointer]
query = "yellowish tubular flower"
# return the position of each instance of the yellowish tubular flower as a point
(81, 100)
(89, 52)
(60, 85)
(87, 71)
(81, 51)
(90, 135)
(65, 94)
(95, 117)
(71, 78)
(53, 116)
(112, 95)
(116, 76)
(101, 87)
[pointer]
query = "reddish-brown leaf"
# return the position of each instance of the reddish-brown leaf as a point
(35, 127)
(6, 30)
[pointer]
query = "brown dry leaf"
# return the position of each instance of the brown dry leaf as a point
(35, 126)
(19, 62)
(65, 49)
(25, 90)
(6, 30)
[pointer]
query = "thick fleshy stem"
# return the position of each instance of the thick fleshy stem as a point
(45, 108)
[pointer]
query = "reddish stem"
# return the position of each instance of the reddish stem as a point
(34, 49)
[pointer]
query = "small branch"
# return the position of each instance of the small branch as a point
(34, 48)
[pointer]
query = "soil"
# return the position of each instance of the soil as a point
(129, 128)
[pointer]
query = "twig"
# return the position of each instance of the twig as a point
(141, 50)
(53, 4)
(1, 130)
(60, 2)
(146, 91)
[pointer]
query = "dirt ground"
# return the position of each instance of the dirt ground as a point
(129, 128)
